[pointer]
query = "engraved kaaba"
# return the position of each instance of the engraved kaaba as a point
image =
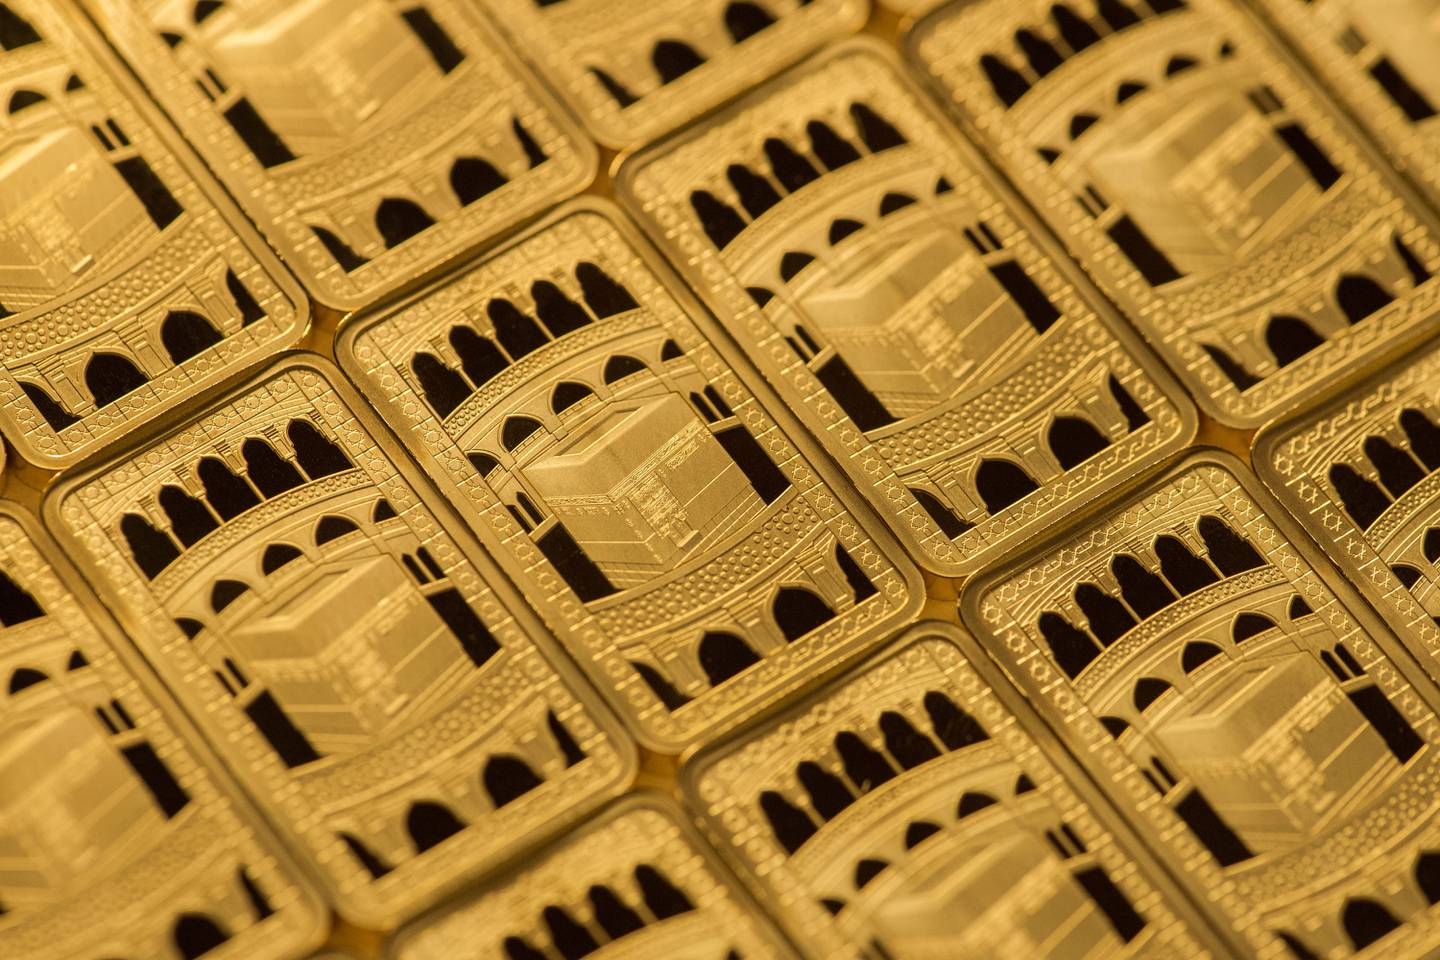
(123, 288)
(371, 139)
(1241, 712)
(903, 812)
(636, 485)
(330, 630)
(636, 869)
(101, 796)
(1203, 182)
(869, 268)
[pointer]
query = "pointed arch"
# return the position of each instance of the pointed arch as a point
(670, 696)
(1072, 648)
(1230, 552)
(567, 393)
(1008, 84)
(271, 473)
(1128, 89)
(195, 935)
(673, 59)
(621, 366)
(152, 549)
(791, 825)
(908, 746)
(444, 389)
(277, 555)
(603, 294)
(431, 824)
(398, 219)
(792, 169)
(1398, 471)
(1043, 58)
(841, 228)
(1179, 64)
(744, 19)
(950, 524)
(226, 592)
(1358, 296)
(190, 517)
(1107, 617)
(23, 99)
(340, 251)
(17, 605)
(718, 219)
(1249, 625)
(506, 777)
(556, 311)
(1147, 691)
(24, 677)
(1073, 440)
(1197, 653)
(474, 177)
(480, 358)
(618, 91)
(1233, 369)
(1077, 32)
(1366, 921)
(876, 132)
(1185, 571)
(185, 334)
(833, 150)
(755, 192)
(793, 262)
(1290, 338)
(1143, 590)
(110, 376)
(724, 655)
(245, 302)
(15, 31)
(319, 456)
(865, 766)
(895, 200)
(829, 795)
(333, 527)
(798, 611)
(517, 332)
(374, 865)
(1002, 483)
(1362, 497)
(973, 801)
(1427, 875)
(953, 726)
(1424, 436)
(55, 415)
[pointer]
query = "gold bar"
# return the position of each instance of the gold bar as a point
(942, 347)
(370, 140)
(373, 679)
(684, 539)
(635, 881)
(1204, 181)
(906, 811)
(131, 283)
(121, 835)
(1258, 724)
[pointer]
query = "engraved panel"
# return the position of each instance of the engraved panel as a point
(371, 140)
(1363, 476)
(865, 260)
(116, 838)
(1379, 58)
(127, 283)
(635, 882)
(636, 70)
(1250, 715)
(904, 812)
(375, 683)
(1205, 183)
(587, 422)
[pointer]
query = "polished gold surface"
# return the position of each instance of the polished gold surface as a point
(1203, 181)
(120, 836)
(865, 259)
(635, 70)
(332, 658)
(694, 553)
(635, 882)
(129, 283)
(1240, 704)
(267, 556)
(371, 140)
(906, 811)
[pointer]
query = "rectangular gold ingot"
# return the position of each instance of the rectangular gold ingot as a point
(635, 70)
(120, 836)
(376, 683)
(581, 412)
(635, 881)
(1239, 702)
(1379, 58)
(945, 357)
(1361, 474)
(371, 140)
(905, 811)
(128, 282)
(1205, 182)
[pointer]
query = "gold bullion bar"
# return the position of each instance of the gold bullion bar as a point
(1361, 475)
(374, 680)
(635, 70)
(904, 811)
(130, 284)
(870, 263)
(1205, 183)
(371, 140)
(1242, 705)
(635, 882)
(1380, 58)
(120, 837)
(588, 420)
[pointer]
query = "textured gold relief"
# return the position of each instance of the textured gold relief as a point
(128, 284)
(117, 838)
(638, 69)
(371, 140)
(906, 812)
(1205, 183)
(635, 882)
(1379, 57)
(371, 678)
(581, 414)
(1361, 474)
(1253, 718)
(864, 258)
